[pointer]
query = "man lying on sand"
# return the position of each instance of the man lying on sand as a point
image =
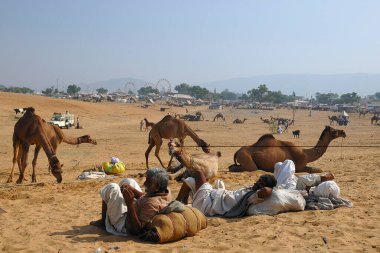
(222, 202)
(319, 191)
(126, 209)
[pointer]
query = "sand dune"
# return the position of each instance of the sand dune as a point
(51, 217)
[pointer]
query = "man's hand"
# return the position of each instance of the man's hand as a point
(327, 177)
(264, 192)
(128, 195)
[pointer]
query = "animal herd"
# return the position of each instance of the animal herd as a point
(31, 129)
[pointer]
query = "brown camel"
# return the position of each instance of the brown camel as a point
(219, 116)
(54, 136)
(239, 121)
(148, 124)
(267, 151)
(208, 163)
(375, 119)
(170, 128)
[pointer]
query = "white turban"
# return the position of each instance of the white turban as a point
(284, 174)
(327, 189)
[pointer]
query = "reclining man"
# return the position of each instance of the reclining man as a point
(325, 194)
(221, 202)
(126, 209)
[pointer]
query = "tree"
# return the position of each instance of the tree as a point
(377, 95)
(326, 98)
(147, 90)
(73, 89)
(102, 91)
(259, 93)
(49, 91)
(228, 95)
(350, 98)
(183, 88)
(199, 92)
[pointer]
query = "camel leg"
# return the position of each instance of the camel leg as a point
(151, 145)
(34, 163)
(24, 162)
(180, 172)
(246, 163)
(15, 159)
(170, 161)
(311, 170)
(157, 153)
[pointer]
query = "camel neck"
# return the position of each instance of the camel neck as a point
(319, 149)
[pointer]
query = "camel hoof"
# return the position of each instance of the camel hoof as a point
(10, 180)
(19, 181)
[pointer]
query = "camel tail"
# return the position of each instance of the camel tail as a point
(218, 154)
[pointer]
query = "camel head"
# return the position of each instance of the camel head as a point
(56, 168)
(86, 139)
(205, 147)
(174, 147)
(334, 133)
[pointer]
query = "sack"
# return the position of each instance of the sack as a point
(113, 168)
(281, 200)
(175, 225)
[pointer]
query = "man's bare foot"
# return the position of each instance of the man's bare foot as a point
(98, 223)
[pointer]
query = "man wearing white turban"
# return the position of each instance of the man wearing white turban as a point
(324, 186)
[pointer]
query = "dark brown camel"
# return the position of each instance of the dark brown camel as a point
(375, 119)
(148, 124)
(267, 151)
(170, 128)
(239, 121)
(55, 137)
(332, 119)
(219, 116)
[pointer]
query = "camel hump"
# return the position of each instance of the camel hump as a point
(266, 136)
(30, 109)
(218, 154)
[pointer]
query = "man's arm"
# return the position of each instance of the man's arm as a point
(137, 194)
(310, 180)
(133, 222)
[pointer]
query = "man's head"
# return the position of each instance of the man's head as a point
(265, 181)
(156, 180)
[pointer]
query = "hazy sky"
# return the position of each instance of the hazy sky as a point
(82, 41)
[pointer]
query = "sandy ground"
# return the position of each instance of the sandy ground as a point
(51, 217)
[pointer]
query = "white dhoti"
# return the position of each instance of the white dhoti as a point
(116, 208)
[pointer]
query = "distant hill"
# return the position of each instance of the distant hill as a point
(303, 84)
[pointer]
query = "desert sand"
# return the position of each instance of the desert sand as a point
(51, 217)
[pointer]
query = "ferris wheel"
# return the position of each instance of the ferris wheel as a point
(164, 86)
(129, 86)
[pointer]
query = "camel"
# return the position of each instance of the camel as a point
(170, 128)
(267, 121)
(54, 136)
(208, 163)
(268, 150)
(200, 116)
(332, 119)
(219, 116)
(374, 119)
(239, 121)
(148, 124)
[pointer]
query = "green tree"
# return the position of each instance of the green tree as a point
(377, 95)
(228, 95)
(259, 93)
(326, 98)
(102, 91)
(199, 92)
(147, 90)
(73, 89)
(49, 91)
(350, 98)
(183, 88)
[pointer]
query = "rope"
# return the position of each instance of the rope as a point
(302, 146)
